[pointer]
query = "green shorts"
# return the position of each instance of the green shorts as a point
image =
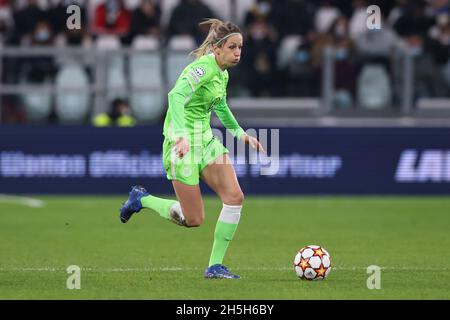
(188, 169)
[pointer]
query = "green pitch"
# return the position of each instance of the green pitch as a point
(149, 258)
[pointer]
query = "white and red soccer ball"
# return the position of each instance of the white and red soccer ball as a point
(312, 263)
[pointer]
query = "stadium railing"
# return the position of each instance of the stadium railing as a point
(281, 110)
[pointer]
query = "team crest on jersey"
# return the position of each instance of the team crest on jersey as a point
(200, 71)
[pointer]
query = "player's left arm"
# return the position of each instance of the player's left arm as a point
(227, 118)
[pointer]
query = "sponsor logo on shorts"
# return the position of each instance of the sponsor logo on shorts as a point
(186, 171)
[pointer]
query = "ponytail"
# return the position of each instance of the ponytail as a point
(218, 32)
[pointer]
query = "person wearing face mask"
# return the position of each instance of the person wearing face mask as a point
(26, 19)
(111, 17)
(301, 76)
(262, 44)
(345, 73)
(261, 10)
(429, 79)
(42, 34)
(146, 19)
(40, 68)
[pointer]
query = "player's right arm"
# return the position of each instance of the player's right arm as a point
(191, 79)
(177, 98)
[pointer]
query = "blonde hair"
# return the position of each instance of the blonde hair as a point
(218, 32)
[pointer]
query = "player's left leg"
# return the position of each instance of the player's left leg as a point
(221, 177)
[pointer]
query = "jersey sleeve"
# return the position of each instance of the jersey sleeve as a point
(192, 78)
(227, 118)
(197, 74)
(178, 97)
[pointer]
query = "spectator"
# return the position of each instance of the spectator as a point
(357, 24)
(146, 19)
(345, 74)
(26, 20)
(429, 80)
(438, 44)
(7, 36)
(58, 14)
(377, 45)
(340, 28)
(6, 21)
(260, 10)
(111, 17)
(385, 6)
(320, 41)
(397, 12)
(42, 34)
(301, 75)
(118, 116)
(293, 17)
(76, 37)
(413, 20)
(440, 32)
(261, 47)
(325, 15)
(346, 69)
(185, 19)
(38, 69)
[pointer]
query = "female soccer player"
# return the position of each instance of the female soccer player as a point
(191, 152)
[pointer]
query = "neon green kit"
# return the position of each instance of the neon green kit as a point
(200, 89)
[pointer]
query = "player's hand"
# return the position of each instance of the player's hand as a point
(253, 142)
(181, 147)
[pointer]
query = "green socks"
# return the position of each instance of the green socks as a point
(167, 209)
(225, 229)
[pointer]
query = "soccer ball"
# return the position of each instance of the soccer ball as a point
(312, 263)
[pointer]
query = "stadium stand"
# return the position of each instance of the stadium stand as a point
(407, 59)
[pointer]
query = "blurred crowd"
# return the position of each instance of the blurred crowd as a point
(284, 40)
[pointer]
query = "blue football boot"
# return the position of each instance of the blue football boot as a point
(133, 204)
(219, 271)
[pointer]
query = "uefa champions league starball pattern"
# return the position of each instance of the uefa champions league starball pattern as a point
(312, 263)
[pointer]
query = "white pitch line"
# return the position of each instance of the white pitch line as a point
(26, 201)
(178, 269)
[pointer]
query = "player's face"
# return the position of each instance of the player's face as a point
(230, 53)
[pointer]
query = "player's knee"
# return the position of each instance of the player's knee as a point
(195, 221)
(235, 197)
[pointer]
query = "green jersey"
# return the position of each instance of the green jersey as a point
(200, 89)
